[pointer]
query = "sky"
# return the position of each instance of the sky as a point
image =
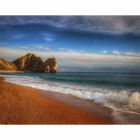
(79, 43)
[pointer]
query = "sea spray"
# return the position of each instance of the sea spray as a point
(121, 93)
(134, 102)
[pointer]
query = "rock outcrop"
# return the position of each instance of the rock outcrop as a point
(5, 65)
(30, 62)
(52, 65)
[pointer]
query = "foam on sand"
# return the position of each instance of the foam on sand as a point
(123, 100)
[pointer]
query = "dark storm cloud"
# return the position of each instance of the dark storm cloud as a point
(93, 24)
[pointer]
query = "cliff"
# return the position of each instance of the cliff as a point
(30, 62)
(5, 65)
(52, 64)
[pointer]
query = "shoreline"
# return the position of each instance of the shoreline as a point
(14, 71)
(33, 106)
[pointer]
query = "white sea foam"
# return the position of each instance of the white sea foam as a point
(124, 99)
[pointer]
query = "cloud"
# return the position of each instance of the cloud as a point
(48, 39)
(17, 36)
(101, 24)
(77, 59)
(116, 52)
(34, 47)
(66, 50)
(132, 53)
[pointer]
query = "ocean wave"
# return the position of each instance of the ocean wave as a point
(125, 100)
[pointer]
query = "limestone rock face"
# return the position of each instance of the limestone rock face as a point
(5, 65)
(52, 65)
(30, 62)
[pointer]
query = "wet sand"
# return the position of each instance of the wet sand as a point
(25, 105)
(14, 71)
(87, 105)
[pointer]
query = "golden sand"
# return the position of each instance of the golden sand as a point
(25, 105)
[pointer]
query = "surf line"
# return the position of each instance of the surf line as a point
(120, 110)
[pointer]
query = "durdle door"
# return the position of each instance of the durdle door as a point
(30, 62)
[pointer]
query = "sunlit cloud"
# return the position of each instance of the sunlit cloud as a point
(75, 58)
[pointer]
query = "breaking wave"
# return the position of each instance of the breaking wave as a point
(123, 100)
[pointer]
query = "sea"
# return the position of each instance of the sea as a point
(118, 90)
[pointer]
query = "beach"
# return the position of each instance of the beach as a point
(26, 105)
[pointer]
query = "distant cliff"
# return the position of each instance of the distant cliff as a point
(5, 65)
(30, 62)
